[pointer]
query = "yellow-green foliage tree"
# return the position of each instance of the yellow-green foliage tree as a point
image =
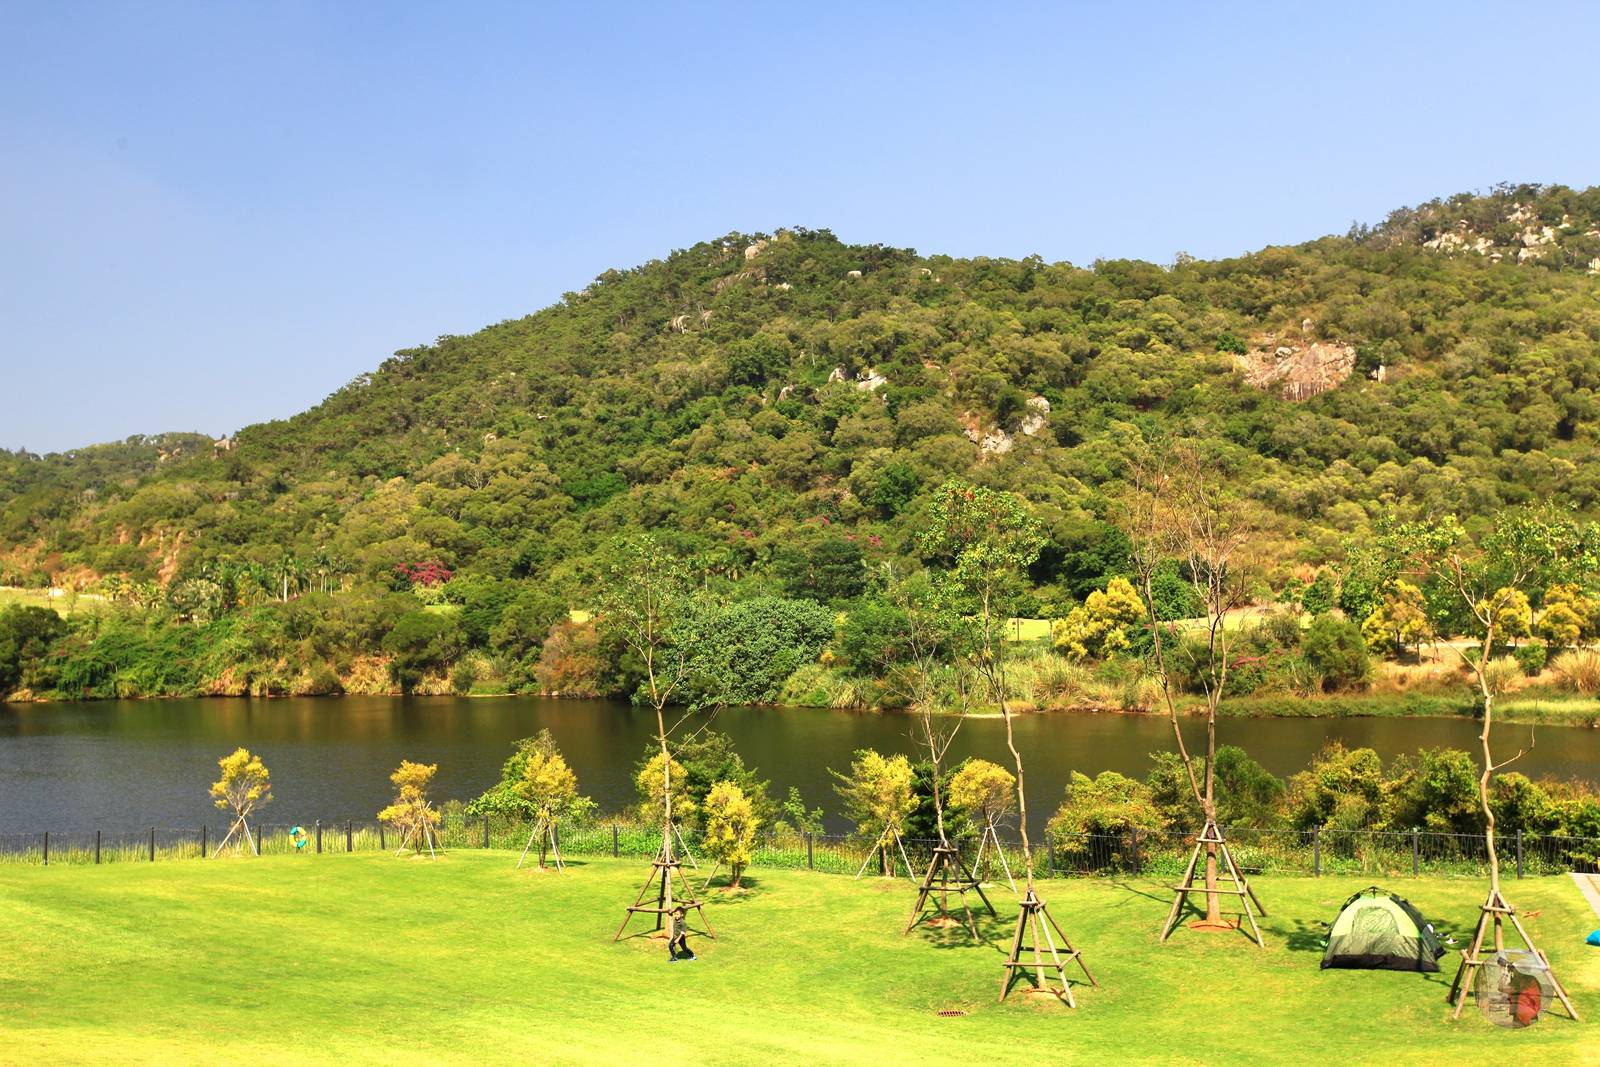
(1513, 614)
(731, 826)
(983, 790)
(1568, 617)
(1400, 619)
(412, 813)
(243, 787)
(650, 784)
(1098, 627)
(877, 795)
(549, 786)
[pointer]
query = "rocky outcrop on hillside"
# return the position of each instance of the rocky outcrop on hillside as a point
(1297, 371)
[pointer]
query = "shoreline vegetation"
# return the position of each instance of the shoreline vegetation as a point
(1549, 709)
(467, 637)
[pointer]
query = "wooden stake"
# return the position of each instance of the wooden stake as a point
(1492, 915)
(1211, 836)
(946, 875)
(1034, 923)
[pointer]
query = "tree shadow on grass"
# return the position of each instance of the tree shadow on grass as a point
(1135, 891)
(1307, 936)
(957, 935)
(719, 891)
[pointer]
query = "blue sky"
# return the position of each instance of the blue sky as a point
(214, 214)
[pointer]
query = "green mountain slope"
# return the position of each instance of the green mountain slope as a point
(762, 394)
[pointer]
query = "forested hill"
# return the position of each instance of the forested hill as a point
(762, 397)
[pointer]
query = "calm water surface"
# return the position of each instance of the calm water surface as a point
(130, 764)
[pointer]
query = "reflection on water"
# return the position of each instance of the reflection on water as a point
(126, 764)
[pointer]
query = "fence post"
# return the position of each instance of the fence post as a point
(811, 860)
(1415, 859)
(319, 837)
(1050, 857)
(152, 844)
(614, 845)
(1316, 852)
(1519, 852)
(97, 847)
(203, 842)
(382, 845)
(349, 836)
(1135, 850)
(261, 831)
(486, 831)
(47, 848)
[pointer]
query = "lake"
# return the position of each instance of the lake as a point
(129, 764)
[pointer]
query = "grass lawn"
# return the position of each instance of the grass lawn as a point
(365, 958)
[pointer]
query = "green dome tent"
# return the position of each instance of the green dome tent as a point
(1376, 930)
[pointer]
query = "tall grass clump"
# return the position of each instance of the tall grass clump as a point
(1578, 670)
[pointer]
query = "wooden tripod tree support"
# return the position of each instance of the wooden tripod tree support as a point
(946, 875)
(989, 837)
(544, 831)
(887, 841)
(666, 872)
(413, 833)
(1211, 837)
(1033, 937)
(1496, 913)
(239, 835)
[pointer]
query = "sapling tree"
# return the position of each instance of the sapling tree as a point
(243, 788)
(647, 601)
(930, 639)
(982, 541)
(985, 791)
(731, 826)
(550, 789)
(1523, 551)
(411, 812)
(650, 602)
(877, 795)
(1179, 507)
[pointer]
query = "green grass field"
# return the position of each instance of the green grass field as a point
(366, 958)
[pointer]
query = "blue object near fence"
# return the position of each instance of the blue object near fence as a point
(1593, 939)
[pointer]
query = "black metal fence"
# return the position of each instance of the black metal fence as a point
(1292, 852)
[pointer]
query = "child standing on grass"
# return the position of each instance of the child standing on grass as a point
(678, 935)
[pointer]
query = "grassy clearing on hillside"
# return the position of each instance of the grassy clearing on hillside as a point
(366, 958)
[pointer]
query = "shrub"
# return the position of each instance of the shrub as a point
(1341, 788)
(26, 635)
(570, 663)
(420, 642)
(1109, 804)
(1531, 657)
(1437, 789)
(872, 636)
(750, 647)
(1335, 651)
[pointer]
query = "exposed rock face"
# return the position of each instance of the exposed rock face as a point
(1038, 412)
(1297, 372)
(995, 442)
(1532, 241)
(837, 375)
(870, 379)
(753, 250)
